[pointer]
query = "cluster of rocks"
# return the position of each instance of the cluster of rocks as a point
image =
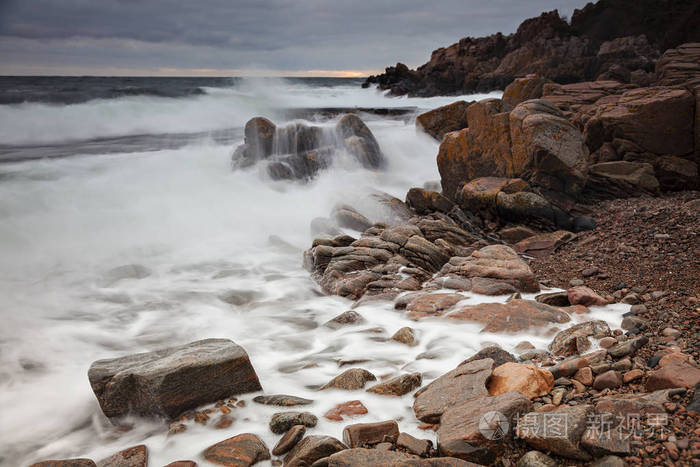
(603, 41)
(299, 151)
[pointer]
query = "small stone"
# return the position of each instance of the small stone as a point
(282, 400)
(584, 376)
(364, 434)
(632, 375)
(398, 386)
(576, 282)
(350, 380)
(345, 319)
(582, 295)
(536, 459)
(349, 409)
(671, 332)
(66, 463)
(419, 447)
(283, 421)
(607, 342)
(608, 380)
(240, 451)
(289, 440)
(588, 272)
(529, 380)
(495, 353)
(558, 395)
(609, 461)
(628, 347)
(631, 299)
(223, 422)
(406, 336)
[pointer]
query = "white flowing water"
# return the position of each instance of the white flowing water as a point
(197, 232)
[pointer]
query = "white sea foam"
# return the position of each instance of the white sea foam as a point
(201, 231)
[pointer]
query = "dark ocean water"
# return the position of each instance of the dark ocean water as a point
(77, 89)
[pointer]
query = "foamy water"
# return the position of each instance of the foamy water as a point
(200, 232)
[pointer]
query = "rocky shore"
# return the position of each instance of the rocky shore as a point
(611, 39)
(557, 204)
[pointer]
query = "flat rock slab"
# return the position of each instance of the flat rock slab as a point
(475, 430)
(136, 456)
(559, 431)
(65, 463)
(465, 382)
(364, 434)
(240, 451)
(282, 400)
(170, 381)
(515, 316)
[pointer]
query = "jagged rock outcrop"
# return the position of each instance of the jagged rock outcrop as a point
(603, 41)
(299, 151)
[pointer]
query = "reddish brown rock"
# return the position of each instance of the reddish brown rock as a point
(515, 316)
(379, 458)
(430, 304)
(633, 404)
(365, 434)
(289, 440)
(312, 448)
(136, 456)
(349, 409)
(350, 380)
(406, 336)
(465, 382)
(427, 201)
(444, 119)
(470, 430)
(675, 375)
(570, 366)
(481, 193)
(632, 375)
(524, 89)
(65, 463)
(614, 441)
(584, 376)
(239, 451)
(657, 119)
(635, 176)
(398, 386)
(497, 262)
(182, 464)
(419, 447)
(529, 380)
(675, 358)
(582, 295)
(543, 244)
(167, 382)
(516, 233)
(609, 380)
(559, 431)
(574, 340)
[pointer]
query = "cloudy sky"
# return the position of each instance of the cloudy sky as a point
(234, 37)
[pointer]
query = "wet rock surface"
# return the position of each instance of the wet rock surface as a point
(163, 382)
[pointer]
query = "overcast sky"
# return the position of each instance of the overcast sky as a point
(233, 37)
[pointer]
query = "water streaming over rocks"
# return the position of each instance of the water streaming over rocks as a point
(161, 244)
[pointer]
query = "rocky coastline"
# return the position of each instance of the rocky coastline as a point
(578, 190)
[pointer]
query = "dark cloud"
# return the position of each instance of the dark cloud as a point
(240, 34)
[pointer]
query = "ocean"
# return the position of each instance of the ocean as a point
(124, 229)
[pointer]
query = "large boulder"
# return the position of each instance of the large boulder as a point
(465, 382)
(680, 65)
(675, 173)
(659, 120)
(170, 381)
(444, 119)
(544, 142)
(482, 150)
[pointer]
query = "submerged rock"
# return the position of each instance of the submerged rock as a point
(169, 381)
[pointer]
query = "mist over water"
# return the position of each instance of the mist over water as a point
(108, 255)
